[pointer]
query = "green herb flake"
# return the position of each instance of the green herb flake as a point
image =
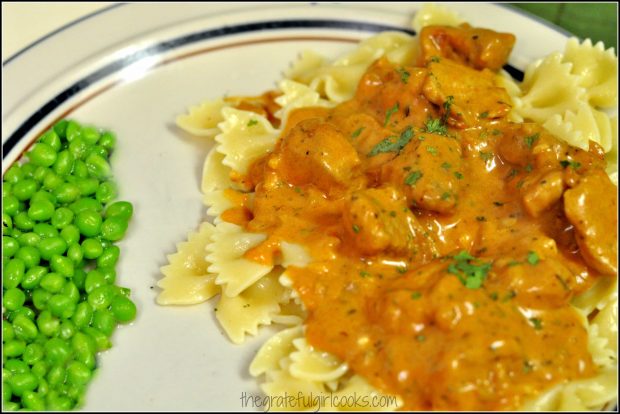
(527, 367)
(458, 175)
(532, 258)
(484, 114)
(252, 122)
(494, 296)
(388, 145)
(481, 218)
(420, 338)
(509, 296)
(404, 75)
(431, 150)
(389, 113)
(496, 132)
(364, 273)
(529, 141)
(529, 168)
(357, 132)
(356, 228)
(435, 59)
(446, 195)
(573, 164)
(413, 177)
(446, 166)
(402, 269)
(536, 323)
(486, 156)
(514, 263)
(416, 295)
(435, 126)
(470, 271)
(498, 203)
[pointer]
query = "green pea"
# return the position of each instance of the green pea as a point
(72, 130)
(104, 320)
(7, 224)
(14, 273)
(48, 324)
(52, 139)
(7, 330)
(60, 403)
(89, 222)
(70, 234)
(64, 163)
(24, 328)
(101, 340)
(62, 217)
(62, 265)
(40, 367)
(90, 135)
(13, 174)
(86, 203)
(92, 248)
(45, 230)
(10, 246)
(24, 311)
(79, 278)
(13, 298)
(57, 351)
(67, 330)
(24, 189)
(52, 246)
(71, 291)
(15, 367)
(75, 254)
(28, 169)
(30, 255)
(78, 148)
(106, 192)
(80, 170)
(78, 373)
(14, 348)
(56, 375)
(94, 279)
(67, 193)
(33, 401)
(7, 392)
(99, 150)
(52, 282)
(124, 309)
(7, 189)
(101, 297)
(41, 210)
(87, 186)
(29, 239)
(10, 205)
(21, 383)
(109, 257)
(33, 277)
(43, 195)
(98, 166)
(61, 306)
(109, 274)
(40, 298)
(108, 140)
(10, 406)
(40, 173)
(83, 343)
(113, 228)
(33, 354)
(42, 154)
(43, 387)
(22, 221)
(52, 180)
(83, 314)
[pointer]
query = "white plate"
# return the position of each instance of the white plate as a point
(132, 69)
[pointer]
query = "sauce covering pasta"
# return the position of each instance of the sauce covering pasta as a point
(446, 241)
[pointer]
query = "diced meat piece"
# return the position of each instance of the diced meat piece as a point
(315, 152)
(478, 48)
(471, 95)
(392, 94)
(592, 207)
(425, 170)
(543, 192)
(378, 220)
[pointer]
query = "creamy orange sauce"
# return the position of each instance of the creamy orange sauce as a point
(386, 229)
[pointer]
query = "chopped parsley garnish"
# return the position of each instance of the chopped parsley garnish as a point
(413, 177)
(416, 295)
(513, 263)
(446, 195)
(404, 75)
(483, 115)
(529, 141)
(435, 126)
(494, 296)
(496, 132)
(357, 132)
(252, 122)
(537, 323)
(458, 175)
(532, 258)
(392, 213)
(446, 107)
(435, 59)
(527, 367)
(513, 172)
(446, 166)
(486, 156)
(573, 164)
(402, 269)
(470, 271)
(509, 296)
(498, 203)
(388, 145)
(420, 338)
(364, 273)
(431, 150)
(481, 218)
(356, 228)
(529, 168)
(389, 113)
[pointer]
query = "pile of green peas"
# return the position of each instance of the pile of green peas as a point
(60, 302)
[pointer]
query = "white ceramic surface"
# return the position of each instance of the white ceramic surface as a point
(177, 359)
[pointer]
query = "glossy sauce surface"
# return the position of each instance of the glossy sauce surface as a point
(446, 241)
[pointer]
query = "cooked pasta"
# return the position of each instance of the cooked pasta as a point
(265, 261)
